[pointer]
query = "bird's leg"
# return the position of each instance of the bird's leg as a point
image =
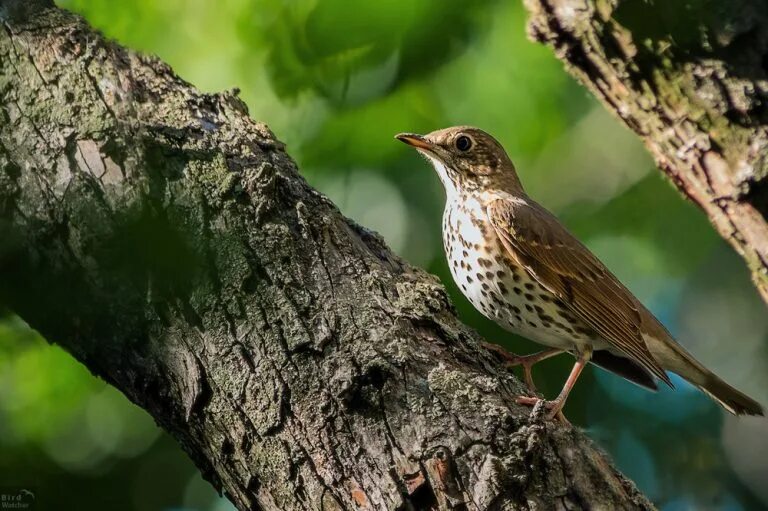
(527, 361)
(556, 405)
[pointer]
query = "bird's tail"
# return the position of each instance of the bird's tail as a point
(729, 398)
(735, 401)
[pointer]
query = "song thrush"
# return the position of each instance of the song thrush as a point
(521, 268)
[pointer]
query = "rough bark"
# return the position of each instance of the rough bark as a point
(168, 242)
(690, 78)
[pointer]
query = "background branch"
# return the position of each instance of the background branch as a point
(690, 79)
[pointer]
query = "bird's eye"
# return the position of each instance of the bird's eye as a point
(463, 143)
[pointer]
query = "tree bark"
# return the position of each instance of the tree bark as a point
(690, 78)
(168, 242)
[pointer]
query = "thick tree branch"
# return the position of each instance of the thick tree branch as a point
(168, 242)
(690, 78)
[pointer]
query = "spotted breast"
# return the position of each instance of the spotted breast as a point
(500, 288)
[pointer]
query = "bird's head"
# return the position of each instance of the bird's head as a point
(466, 159)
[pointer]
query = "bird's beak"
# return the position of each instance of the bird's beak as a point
(414, 140)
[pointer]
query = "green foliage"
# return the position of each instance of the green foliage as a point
(348, 57)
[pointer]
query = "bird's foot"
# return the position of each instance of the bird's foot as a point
(507, 356)
(554, 408)
(527, 370)
(526, 361)
(512, 360)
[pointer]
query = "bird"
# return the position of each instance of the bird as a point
(521, 267)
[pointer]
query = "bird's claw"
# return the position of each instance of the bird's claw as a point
(554, 407)
(512, 360)
(507, 356)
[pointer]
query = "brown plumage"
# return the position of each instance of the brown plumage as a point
(498, 239)
(557, 260)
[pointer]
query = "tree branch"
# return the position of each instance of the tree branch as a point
(168, 242)
(690, 79)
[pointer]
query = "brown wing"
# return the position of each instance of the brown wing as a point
(560, 263)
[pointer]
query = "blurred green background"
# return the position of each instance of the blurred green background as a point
(336, 81)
